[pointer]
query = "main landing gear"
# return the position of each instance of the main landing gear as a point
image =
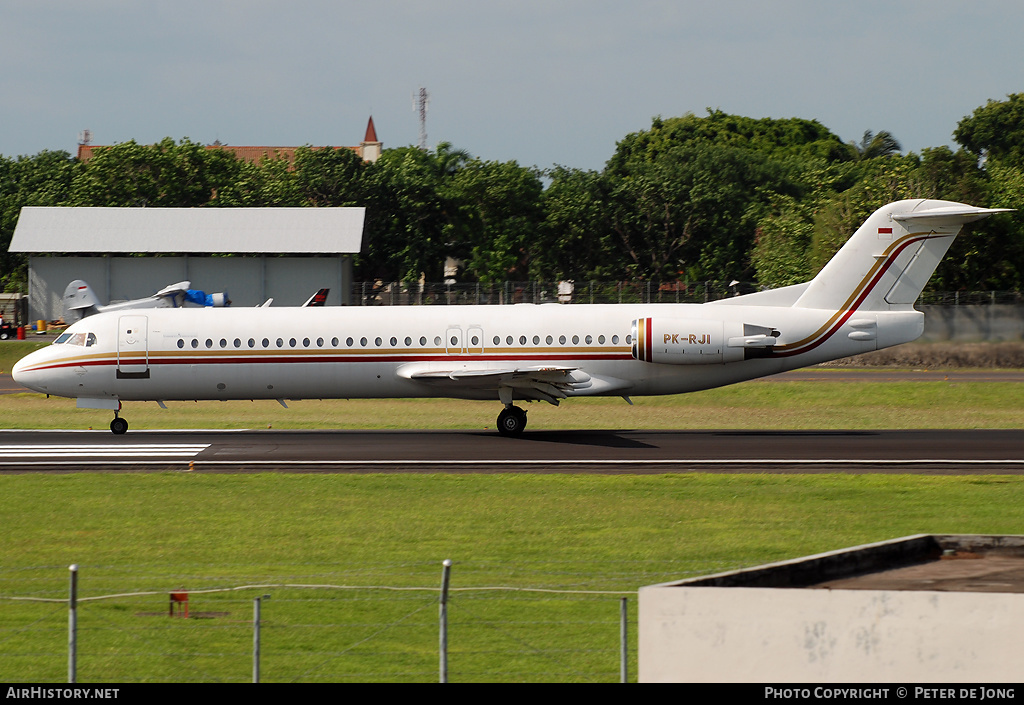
(511, 421)
(118, 426)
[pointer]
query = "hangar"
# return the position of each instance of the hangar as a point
(253, 254)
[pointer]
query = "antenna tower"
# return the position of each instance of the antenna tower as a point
(420, 102)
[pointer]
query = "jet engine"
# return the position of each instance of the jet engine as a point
(679, 341)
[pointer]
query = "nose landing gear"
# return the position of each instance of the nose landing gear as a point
(511, 421)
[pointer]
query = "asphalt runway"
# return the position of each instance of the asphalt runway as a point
(935, 452)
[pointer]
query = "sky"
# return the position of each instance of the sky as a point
(538, 82)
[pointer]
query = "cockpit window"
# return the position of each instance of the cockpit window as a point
(82, 339)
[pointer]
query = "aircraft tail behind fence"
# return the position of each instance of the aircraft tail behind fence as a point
(888, 261)
(79, 301)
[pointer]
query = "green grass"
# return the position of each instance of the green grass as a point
(171, 531)
(13, 350)
(757, 404)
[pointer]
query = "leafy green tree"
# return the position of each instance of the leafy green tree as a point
(576, 235)
(161, 175)
(269, 183)
(329, 177)
(406, 218)
(500, 214)
(41, 180)
(995, 131)
(791, 137)
(781, 243)
(693, 210)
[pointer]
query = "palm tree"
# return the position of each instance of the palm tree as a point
(881, 145)
(447, 160)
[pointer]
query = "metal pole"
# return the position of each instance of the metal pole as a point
(446, 573)
(256, 603)
(624, 641)
(73, 625)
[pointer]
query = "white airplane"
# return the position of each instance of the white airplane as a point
(862, 300)
(80, 301)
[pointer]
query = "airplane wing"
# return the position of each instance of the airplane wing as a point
(550, 383)
(174, 289)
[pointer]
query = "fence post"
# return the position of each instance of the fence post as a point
(446, 573)
(256, 637)
(73, 625)
(623, 641)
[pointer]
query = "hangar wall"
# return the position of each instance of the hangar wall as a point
(249, 281)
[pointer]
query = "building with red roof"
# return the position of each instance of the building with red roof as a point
(369, 149)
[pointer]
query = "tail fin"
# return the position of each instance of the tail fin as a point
(317, 299)
(887, 262)
(79, 301)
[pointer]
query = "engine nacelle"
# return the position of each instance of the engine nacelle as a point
(678, 341)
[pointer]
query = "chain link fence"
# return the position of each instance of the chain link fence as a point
(319, 631)
(378, 293)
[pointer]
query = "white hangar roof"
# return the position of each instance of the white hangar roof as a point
(188, 230)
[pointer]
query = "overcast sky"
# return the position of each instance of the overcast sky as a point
(539, 82)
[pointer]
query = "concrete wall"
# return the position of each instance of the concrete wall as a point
(249, 281)
(996, 323)
(769, 635)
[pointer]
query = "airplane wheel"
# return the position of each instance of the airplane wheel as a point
(511, 421)
(119, 426)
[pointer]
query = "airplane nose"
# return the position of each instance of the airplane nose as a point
(25, 376)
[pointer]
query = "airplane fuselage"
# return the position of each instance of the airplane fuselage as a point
(293, 353)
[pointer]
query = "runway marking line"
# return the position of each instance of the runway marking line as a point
(132, 450)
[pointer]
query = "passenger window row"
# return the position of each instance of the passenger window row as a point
(474, 341)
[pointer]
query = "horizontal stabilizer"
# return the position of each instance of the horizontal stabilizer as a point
(949, 215)
(174, 289)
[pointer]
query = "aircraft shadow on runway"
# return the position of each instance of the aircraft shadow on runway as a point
(604, 439)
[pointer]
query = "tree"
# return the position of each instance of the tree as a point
(406, 218)
(575, 239)
(499, 215)
(995, 131)
(781, 138)
(269, 183)
(781, 243)
(41, 180)
(693, 209)
(327, 176)
(161, 175)
(873, 146)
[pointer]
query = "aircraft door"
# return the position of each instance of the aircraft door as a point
(132, 347)
(454, 343)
